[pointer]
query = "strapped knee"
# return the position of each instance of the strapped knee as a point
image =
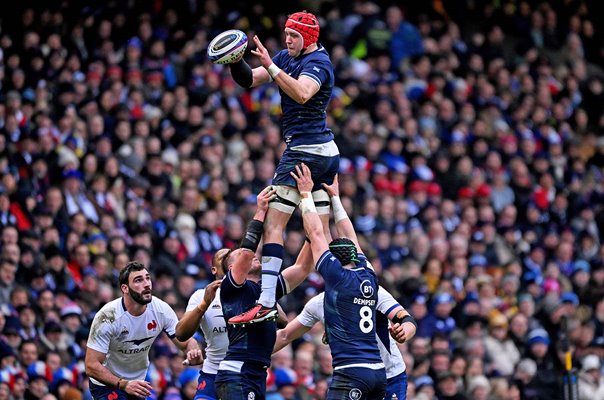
(322, 201)
(287, 199)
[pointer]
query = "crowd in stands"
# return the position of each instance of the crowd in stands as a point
(472, 142)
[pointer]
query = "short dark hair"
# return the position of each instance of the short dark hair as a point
(225, 261)
(219, 257)
(132, 266)
(344, 250)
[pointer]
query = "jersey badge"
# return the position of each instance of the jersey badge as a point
(366, 289)
(152, 325)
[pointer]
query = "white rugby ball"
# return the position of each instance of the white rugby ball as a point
(227, 47)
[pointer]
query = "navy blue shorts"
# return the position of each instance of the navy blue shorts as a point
(396, 387)
(206, 389)
(322, 169)
(357, 384)
(249, 384)
(99, 392)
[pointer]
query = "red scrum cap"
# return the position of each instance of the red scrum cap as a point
(306, 24)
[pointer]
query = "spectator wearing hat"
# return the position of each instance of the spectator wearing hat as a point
(447, 388)
(500, 348)
(10, 333)
(479, 388)
(439, 318)
(591, 381)
(53, 338)
(546, 380)
(71, 319)
(424, 388)
(285, 383)
(39, 376)
(8, 355)
(62, 380)
(188, 383)
(524, 375)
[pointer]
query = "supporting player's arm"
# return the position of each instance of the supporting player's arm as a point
(343, 223)
(312, 222)
(297, 273)
(403, 326)
(189, 322)
(194, 355)
(251, 239)
(95, 369)
(300, 90)
(294, 330)
(281, 317)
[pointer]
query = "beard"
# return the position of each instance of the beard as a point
(139, 297)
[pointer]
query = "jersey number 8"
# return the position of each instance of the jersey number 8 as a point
(366, 323)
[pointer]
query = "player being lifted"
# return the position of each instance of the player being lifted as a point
(304, 74)
(351, 295)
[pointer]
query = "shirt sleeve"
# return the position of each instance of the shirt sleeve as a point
(195, 299)
(282, 287)
(317, 71)
(386, 303)
(170, 320)
(100, 333)
(311, 314)
(329, 267)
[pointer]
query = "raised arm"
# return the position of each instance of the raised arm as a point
(297, 273)
(189, 322)
(343, 223)
(249, 244)
(300, 90)
(312, 222)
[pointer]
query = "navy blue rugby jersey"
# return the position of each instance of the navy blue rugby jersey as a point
(350, 311)
(254, 342)
(304, 124)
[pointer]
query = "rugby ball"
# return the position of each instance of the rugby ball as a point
(227, 47)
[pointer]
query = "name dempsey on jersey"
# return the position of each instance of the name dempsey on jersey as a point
(364, 302)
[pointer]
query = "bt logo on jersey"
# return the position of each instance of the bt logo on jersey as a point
(367, 289)
(152, 325)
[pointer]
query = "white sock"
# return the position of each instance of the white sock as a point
(272, 259)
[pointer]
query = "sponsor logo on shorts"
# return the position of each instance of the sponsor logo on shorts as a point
(355, 394)
(251, 396)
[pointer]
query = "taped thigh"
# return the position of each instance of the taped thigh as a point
(287, 199)
(322, 201)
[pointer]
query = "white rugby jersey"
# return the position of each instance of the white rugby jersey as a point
(127, 339)
(214, 331)
(393, 360)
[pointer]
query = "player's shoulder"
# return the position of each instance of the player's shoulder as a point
(110, 312)
(158, 304)
(320, 54)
